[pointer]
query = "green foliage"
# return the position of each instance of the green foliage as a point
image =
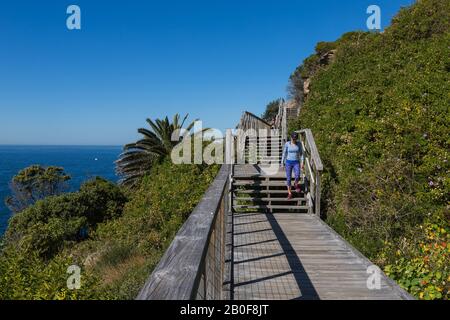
(35, 183)
(126, 239)
(46, 227)
(117, 235)
(135, 241)
(271, 110)
(380, 117)
(310, 66)
(27, 276)
(325, 47)
(422, 267)
(138, 158)
(422, 21)
(316, 62)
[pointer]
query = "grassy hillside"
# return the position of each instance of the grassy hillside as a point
(125, 235)
(380, 116)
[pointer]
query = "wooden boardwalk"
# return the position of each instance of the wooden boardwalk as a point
(297, 256)
(246, 240)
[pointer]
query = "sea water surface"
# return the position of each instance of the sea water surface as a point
(80, 162)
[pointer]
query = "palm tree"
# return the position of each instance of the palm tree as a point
(137, 158)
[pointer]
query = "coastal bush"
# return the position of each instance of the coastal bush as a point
(271, 110)
(46, 227)
(27, 276)
(127, 236)
(35, 183)
(157, 142)
(421, 265)
(380, 117)
(325, 47)
(132, 245)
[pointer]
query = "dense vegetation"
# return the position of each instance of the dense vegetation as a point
(35, 183)
(157, 142)
(116, 234)
(271, 110)
(380, 116)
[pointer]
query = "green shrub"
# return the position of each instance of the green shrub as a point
(27, 276)
(325, 47)
(126, 239)
(271, 110)
(380, 117)
(421, 21)
(132, 245)
(35, 183)
(422, 266)
(46, 226)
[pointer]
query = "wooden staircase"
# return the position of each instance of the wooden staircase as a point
(255, 191)
(246, 241)
(265, 193)
(266, 150)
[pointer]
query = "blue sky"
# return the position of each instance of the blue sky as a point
(137, 59)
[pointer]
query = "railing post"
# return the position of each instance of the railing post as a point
(229, 147)
(317, 194)
(315, 170)
(284, 123)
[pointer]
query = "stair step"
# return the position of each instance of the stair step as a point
(270, 199)
(268, 143)
(260, 184)
(288, 207)
(272, 146)
(268, 150)
(266, 159)
(265, 138)
(255, 176)
(259, 180)
(260, 156)
(260, 191)
(260, 176)
(246, 153)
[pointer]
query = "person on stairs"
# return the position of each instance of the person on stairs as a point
(292, 159)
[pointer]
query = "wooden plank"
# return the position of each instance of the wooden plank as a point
(305, 260)
(272, 206)
(262, 199)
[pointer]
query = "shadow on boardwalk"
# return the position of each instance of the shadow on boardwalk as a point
(265, 264)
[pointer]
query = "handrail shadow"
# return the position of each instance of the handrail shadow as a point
(304, 283)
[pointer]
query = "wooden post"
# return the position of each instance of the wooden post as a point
(315, 163)
(222, 248)
(229, 147)
(229, 161)
(317, 194)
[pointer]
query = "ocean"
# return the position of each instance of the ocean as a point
(80, 162)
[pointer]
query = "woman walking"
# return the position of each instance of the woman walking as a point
(292, 159)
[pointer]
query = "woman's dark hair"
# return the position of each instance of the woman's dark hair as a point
(294, 135)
